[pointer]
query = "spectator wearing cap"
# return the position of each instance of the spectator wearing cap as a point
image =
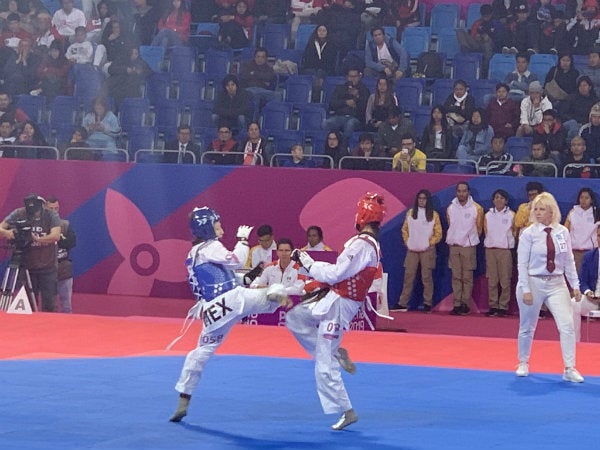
(592, 69)
(521, 32)
(554, 135)
(485, 36)
(590, 133)
(532, 108)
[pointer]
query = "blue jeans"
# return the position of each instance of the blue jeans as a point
(346, 124)
(166, 38)
(65, 292)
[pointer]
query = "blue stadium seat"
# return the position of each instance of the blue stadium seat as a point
(201, 115)
(284, 139)
(440, 90)
(217, 62)
(288, 54)
(541, 63)
(415, 40)
(580, 61)
(190, 87)
(276, 115)
(311, 116)
(317, 140)
(275, 36)
(298, 88)
(88, 86)
(33, 105)
(448, 42)
(409, 92)
(167, 116)
(62, 134)
(467, 66)
(444, 15)
(519, 147)
(420, 117)
(480, 88)
(132, 112)
(473, 15)
(182, 59)
(328, 86)
(153, 55)
(140, 138)
(370, 83)
(303, 34)
(157, 87)
(63, 110)
(206, 36)
(501, 65)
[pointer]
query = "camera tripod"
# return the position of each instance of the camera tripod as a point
(9, 282)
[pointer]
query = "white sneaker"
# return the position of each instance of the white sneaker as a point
(349, 417)
(571, 374)
(522, 369)
(345, 361)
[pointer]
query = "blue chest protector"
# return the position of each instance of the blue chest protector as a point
(211, 280)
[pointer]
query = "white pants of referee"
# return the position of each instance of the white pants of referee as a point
(554, 293)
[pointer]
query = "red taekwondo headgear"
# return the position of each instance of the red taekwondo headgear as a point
(371, 208)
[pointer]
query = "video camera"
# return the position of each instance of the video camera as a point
(22, 231)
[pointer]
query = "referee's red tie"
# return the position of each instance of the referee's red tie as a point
(550, 266)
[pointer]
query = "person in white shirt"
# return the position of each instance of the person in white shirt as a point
(582, 222)
(499, 229)
(421, 231)
(314, 235)
(67, 19)
(263, 252)
(283, 271)
(545, 259)
(465, 224)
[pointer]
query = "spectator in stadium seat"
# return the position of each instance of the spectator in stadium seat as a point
(590, 132)
(498, 162)
(273, 11)
(538, 155)
(236, 25)
(580, 158)
(390, 134)
(222, 148)
(183, 143)
(52, 73)
(343, 22)
(13, 32)
(116, 43)
(302, 11)
(385, 56)
(8, 110)
(366, 150)
(43, 30)
(298, 158)
(554, 134)
(336, 148)
(518, 80)
(127, 76)
(410, 158)
(145, 20)
(233, 106)
(255, 145)
(459, 106)
(532, 108)
(592, 69)
(565, 75)
(258, 77)
(67, 19)
(348, 104)
(437, 141)
(379, 104)
(320, 55)
(174, 26)
(477, 138)
(503, 113)
(20, 71)
(102, 126)
(575, 109)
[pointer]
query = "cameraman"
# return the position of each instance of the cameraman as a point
(39, 246)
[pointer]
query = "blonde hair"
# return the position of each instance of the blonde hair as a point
(548, 200)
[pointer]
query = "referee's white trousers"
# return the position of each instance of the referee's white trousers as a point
(554, 292)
